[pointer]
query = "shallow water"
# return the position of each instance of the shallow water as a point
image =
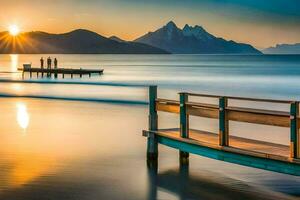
(63, 149)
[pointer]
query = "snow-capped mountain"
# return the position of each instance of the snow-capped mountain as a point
(193, 40)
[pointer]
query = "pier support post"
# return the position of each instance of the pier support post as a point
(152, 144)
(223, 122)
(184, 126)
(294, 129)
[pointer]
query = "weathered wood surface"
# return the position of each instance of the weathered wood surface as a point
(236, 144)
(167, 106)
(249, 115)
(258, 116)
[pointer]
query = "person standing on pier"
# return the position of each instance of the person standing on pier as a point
(42, 62)
(55, 67)
(49, 62)
(55, 63)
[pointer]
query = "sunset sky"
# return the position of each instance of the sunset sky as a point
(262, 23)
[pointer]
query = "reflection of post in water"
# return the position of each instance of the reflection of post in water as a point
(152, 167)
(183, 179)
(179, 185)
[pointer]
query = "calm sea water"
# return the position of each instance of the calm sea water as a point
(92, 148)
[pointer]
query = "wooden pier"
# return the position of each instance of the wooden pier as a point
(57, 71)
(222, 146)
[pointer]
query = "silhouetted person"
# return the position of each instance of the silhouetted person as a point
(55, 63)
(42, 62)
(49, 62)
(55, 67)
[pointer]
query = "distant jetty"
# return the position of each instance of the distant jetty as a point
(27, 68)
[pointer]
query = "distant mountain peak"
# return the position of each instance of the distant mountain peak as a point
(197, 31)
(186, 26)
(170, 30)
(197, 27)
(171, 25)
(115, 38)
(81, 31)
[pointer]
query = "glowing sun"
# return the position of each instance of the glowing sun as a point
(14, 30)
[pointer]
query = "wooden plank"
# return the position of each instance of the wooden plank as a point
(258, 116)
(249, 115)
(206, 105)
(203, 95)
(169, 101)
(241, 98)
(203, 111)
(167, 106)
(259, 111)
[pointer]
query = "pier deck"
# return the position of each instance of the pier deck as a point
(223, 146)
(62, 71)
(237, 144)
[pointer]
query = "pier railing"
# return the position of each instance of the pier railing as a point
(224, 113)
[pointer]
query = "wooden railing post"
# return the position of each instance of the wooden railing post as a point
(184, 125)
(294, 128)
(223, 122)
(152, 145)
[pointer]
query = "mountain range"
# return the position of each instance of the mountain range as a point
(193, 40)
(76, 42)
(168, 39)
(283, 49)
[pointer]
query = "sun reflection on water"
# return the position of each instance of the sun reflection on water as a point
(22, 115)
(14, 62)
(16, 87)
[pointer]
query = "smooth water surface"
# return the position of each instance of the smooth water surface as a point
(65, 146)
